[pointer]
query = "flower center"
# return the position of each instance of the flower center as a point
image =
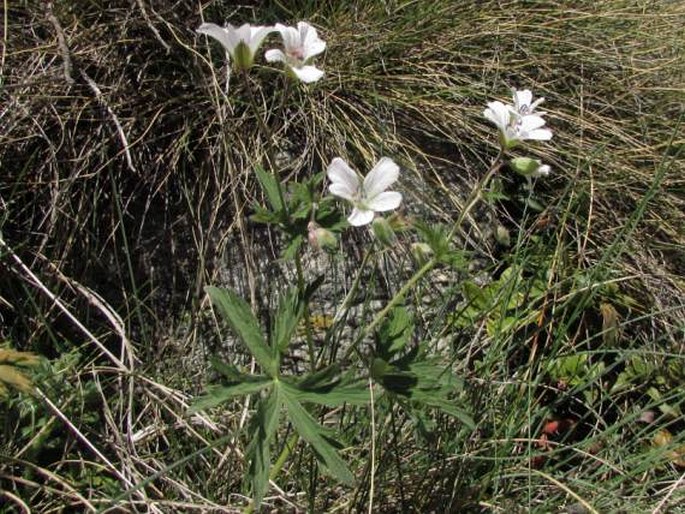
(296, 54)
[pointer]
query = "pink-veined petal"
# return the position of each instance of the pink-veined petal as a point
(307, 74)
(522, 100)
(385, 201)
(360, 217)
(382, 176)
(344, 181)
(274, 55)
(291, 37)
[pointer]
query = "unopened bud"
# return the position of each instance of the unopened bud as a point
(383, 232)
(320, 238)
(421, 253)
(529, 167)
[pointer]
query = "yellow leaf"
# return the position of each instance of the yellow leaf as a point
(665, 438)
(610, 330)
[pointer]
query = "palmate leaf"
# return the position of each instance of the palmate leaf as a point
(395, 333)
(290, 310)
(437, 400)
(245, 325)
(318, 437)
(263, 425)
(331, 395)
(217, 395)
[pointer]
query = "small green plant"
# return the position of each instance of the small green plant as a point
(410, 373)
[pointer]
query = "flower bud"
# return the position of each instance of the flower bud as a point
(383, 232)
(529, 167)
(421, 253)
(320, 238)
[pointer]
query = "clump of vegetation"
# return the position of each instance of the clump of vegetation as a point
(185, 243)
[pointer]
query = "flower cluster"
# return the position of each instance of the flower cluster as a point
(301, 44)
(518, 122)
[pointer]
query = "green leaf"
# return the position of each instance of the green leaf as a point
(318, 437)
(290, 310)
(395, 332)
(293, 246)
(263, 425)
(478, 297)
(333, 396)
(217, 395)
(245, 325)
(228, 370)
(328, 375)
(445, 405)
(271, 189)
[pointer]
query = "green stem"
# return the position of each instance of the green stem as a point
(477, 193)
(471, 202)
(268, 136)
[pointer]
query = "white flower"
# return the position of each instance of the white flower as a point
(301, 44)
(368, 197)
(523, 102)
(241, 42)
(518, 122)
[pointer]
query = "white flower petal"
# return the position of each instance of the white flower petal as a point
(274, 55)
(344, 181)
(538, 135)
(314, 48)
(291, 37)
(498, 113)
(543, 170)
(343, 191)
(307, 74)
(237, 35)
(522, 100)
(385, 201)
(530, 122)
(382, 176)
(257, 35)
(360, 217)
(218, 33)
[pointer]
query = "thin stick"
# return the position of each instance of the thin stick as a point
(115, 119)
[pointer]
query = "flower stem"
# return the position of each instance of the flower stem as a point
(471, 202)
(268, 136)
(477, 193)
